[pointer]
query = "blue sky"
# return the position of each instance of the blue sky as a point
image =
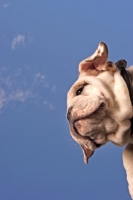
(42, 43)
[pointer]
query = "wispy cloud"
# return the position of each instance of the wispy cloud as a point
(21, 39)
(54, 88)
(49, 105)
(20, 95)
(39, 78)
(23, 84)
(18, 40)
(30, 38)
(5, 5)
(2, 98)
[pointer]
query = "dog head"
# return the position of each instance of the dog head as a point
(96, 104)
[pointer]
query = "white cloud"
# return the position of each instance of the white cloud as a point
(54, 88)
(18, 40)
(30, 38)
(49, 105)
(40, 79)
(5, 5)
(2, 98)
(20, 95)
(21, 84)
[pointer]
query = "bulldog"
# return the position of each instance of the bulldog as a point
(99, 107)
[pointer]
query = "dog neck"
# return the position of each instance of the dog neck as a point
(128, 78)
(129, 81)
(130, 72)
(131, 95)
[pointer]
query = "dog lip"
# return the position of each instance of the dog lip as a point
(97, 145)
(69, 113)
(101, 105)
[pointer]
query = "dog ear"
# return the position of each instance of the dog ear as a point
(97, 62)
(87, 153)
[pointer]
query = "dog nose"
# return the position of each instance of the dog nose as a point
(69, 113)
(102, 104)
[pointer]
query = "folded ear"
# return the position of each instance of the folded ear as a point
(97, 62)
(87, 153)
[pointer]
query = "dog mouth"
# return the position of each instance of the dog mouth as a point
(97, 145)
(86, 130)
(89, 135)
(87, 143)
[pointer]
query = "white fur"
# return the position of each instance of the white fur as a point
(109, 123)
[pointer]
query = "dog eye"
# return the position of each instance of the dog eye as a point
(79, 91)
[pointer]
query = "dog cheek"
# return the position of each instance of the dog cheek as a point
(110, 125)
